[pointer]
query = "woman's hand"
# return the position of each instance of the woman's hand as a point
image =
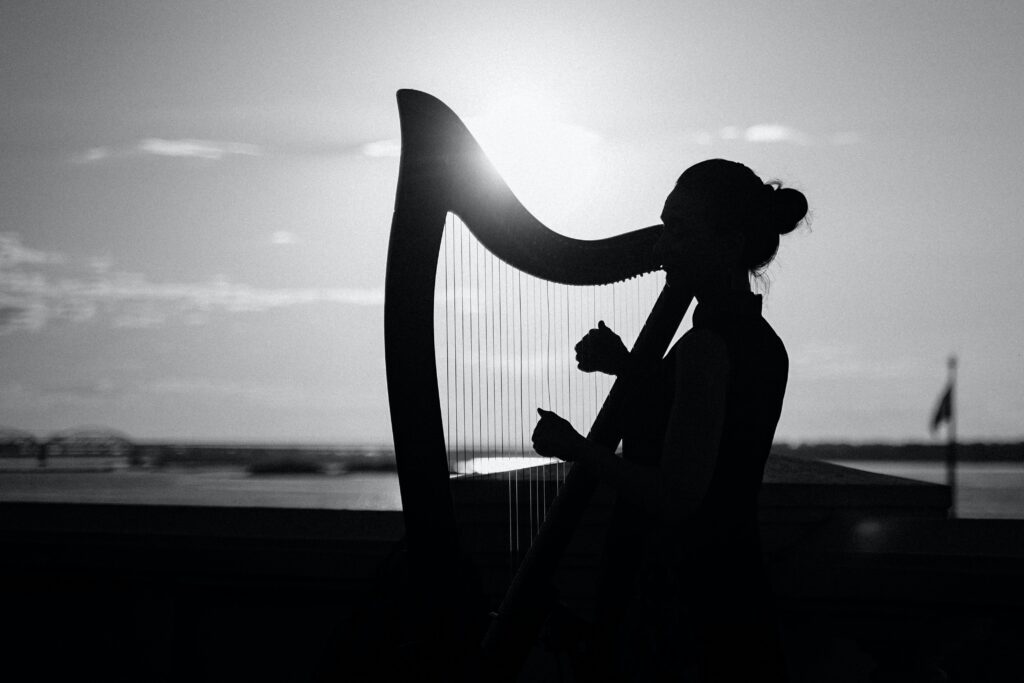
(601, 350)
(554, 437)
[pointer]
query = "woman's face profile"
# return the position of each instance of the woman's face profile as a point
(685, 239)
(691, 248)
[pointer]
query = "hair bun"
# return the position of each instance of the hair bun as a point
(788, 208)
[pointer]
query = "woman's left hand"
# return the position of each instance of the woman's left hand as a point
(554, 437)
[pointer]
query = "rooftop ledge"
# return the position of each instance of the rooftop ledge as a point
(198, 508)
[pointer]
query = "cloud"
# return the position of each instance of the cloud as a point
(211, 150)
(760, 133)
(139, 316)
(38, 288)
(775, 132)
(92, 155)
(767, 133)
(202, 149)
(13, 253)
(18, 317)
(383, 148)
(283, 237)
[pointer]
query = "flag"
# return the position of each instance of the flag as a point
(944, 410)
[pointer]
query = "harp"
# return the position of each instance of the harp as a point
(463, 244)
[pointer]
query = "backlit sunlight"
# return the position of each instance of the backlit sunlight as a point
(503, 464)
(548, 162)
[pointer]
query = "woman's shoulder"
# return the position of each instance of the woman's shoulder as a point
(700, 339)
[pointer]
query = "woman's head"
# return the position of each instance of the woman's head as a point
(720, 215)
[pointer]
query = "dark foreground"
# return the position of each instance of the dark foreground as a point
(874, 584)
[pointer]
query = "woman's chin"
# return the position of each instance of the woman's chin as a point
(674, 277)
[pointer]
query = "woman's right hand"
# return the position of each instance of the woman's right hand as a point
(601, 350)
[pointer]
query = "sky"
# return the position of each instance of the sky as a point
(195, 197)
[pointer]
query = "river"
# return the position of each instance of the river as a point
(985, 489)
(990, 490)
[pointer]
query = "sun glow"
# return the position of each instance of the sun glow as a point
(548, 162)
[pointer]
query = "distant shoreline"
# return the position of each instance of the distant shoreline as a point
(914, 452)
(315, 458)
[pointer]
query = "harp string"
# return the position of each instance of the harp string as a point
(504, 346)
(460, 356)
(447, 347)
(474, 344)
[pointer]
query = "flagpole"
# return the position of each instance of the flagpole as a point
(951, 438)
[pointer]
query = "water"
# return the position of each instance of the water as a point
(231, 487)
(989, 490)
(984, 489)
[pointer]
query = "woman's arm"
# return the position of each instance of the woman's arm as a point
(676, 487)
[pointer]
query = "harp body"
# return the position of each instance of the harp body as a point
(443, 171)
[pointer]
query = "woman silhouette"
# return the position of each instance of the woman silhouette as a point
(684, 593)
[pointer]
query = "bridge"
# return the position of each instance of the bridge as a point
(18, 443)
(88, 442)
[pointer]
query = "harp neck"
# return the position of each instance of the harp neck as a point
(443, 169)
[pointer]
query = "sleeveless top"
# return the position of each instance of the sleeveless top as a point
(716, 550)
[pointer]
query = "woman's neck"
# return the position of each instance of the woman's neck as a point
(739, 280)
(733, 282)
